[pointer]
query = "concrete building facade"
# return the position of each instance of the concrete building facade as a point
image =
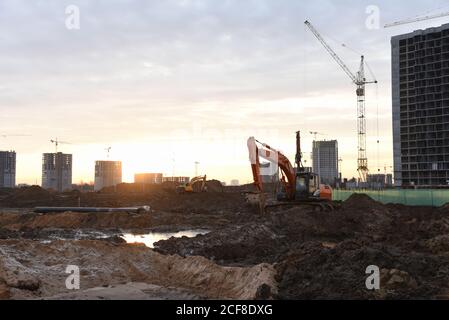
(325, 161)
(235, 182)
(7, 169)
(107, 174)
(148, 178)
(420, 93)
(379, 181)
(57, 171)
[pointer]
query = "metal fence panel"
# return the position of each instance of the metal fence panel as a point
(423, 197)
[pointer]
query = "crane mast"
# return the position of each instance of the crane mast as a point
(360, 81)
(57, 143)
(362, 159)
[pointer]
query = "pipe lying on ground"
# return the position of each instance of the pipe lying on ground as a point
(142, 209)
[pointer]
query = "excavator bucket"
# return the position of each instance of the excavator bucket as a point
(257, 200)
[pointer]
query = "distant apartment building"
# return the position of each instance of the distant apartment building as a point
(83, 187)
(148, 178)
(57, 171)
(325, 161)
(420, 92)
(7, 169)
(180, 180)
(235, 182)
(380, 181)
(107, 174)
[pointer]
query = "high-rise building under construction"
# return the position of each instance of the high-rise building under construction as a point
(107, 174)
(7, 169)
(420, 89)
(148, 178)
(325, 161)
(57, 171)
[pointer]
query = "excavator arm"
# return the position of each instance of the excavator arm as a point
(188, 187)
(201, 179)
(255, 163)
(274, 156)
(195, 180)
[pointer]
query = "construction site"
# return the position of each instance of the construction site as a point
(230, 251)
(202, 240)
(296, 231)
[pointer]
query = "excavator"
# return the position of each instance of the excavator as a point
(188, 187)
(298, 186)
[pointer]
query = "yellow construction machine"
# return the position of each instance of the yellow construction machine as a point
(189, 186)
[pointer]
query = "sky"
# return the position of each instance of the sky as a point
(166, 83)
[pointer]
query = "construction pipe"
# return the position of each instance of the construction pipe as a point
(143, 209)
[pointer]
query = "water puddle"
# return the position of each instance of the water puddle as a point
(46, 235)
(150, 238)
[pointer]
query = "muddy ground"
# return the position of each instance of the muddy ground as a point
(290, 253)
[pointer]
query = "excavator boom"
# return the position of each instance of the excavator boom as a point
(273, 156)
(188, 187)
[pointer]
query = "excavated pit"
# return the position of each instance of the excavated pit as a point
(29, 269)
(291, 253)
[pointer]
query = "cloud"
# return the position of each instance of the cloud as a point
(146, 68)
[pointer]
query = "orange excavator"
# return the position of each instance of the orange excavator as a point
(297, 186)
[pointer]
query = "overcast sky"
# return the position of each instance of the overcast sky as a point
(168, 83)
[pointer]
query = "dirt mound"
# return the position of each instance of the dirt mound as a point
(247, 244)
(116, 220)
(29, 269)
(268, 239)
(324, 255)
(6, 192)
(27, 196)
(204, 210)
(444, 209)
(439, 244)
(361, 201)
(301, 224)
(315, 271)
(158, 197)
(214, 186)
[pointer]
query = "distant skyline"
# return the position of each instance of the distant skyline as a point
(191, 80)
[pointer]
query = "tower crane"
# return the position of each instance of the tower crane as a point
(315, 134)
(57, 143)
(14, 135)
(417, 19)
(360, 81)
(108, 150)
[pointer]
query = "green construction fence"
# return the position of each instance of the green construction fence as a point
(417, 197)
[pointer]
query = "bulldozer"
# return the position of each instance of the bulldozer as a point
(297, 186)
(189, 186)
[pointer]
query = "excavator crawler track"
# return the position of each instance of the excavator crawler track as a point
(319, 206)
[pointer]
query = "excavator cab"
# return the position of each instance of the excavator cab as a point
(307, 185)
(188, 187)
